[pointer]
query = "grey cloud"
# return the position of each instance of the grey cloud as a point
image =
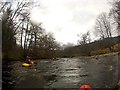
(83, 17)
(82, 14)
(58, 28)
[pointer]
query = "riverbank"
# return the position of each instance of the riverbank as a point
(99, 56)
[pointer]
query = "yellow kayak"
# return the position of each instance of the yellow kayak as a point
(26, 65)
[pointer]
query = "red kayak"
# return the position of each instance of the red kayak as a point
(85, 87)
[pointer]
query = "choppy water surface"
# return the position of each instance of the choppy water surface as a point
(101, 71)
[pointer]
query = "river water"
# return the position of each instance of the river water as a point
(98, 72)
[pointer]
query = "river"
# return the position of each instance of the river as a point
(99, 72)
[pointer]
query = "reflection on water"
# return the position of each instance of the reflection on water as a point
(6, 75)
(62, 73)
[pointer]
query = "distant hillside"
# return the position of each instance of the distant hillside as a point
(106, 45)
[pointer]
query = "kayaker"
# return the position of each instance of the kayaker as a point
(28, 60)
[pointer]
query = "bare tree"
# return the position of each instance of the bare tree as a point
(115, 13)
(18, 25)
(85, 38)
(102, 26)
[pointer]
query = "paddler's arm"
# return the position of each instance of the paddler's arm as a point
(117, 87)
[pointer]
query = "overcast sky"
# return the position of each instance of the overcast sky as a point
(67, 18)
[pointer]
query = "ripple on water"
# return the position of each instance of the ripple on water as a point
(63, 73)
